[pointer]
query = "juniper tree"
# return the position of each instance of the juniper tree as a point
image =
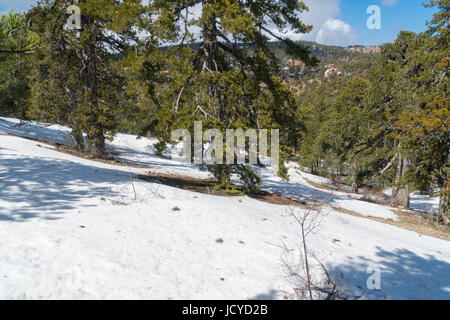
(229, 79)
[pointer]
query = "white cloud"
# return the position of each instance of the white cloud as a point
(390, 3)
(336, 32)
(327, 29)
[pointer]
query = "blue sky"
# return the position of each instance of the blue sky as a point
(338, 22)
(396, 16)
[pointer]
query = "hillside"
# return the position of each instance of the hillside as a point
(72, 228)
(354, 60)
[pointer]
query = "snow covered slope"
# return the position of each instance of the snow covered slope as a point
(71, 228)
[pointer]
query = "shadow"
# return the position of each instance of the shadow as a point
(423, 203)
(34, 131)
(404, 276)
(39, 187)
(132, 156)
(296, 191)
(299, 189)
(271, 295)
(61, 135)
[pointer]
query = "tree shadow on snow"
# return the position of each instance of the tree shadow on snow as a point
(32, 187)
(40, 132)
(31, 130)
(300, 192)
(404, 275)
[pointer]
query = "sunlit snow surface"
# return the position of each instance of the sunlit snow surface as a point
(71, 228)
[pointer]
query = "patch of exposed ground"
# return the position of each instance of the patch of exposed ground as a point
(409, 221)
(207, 186)
(324, 186)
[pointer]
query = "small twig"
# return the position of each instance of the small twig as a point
(118, 202)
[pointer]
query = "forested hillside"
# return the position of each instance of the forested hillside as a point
(316, 172)
(373, 117)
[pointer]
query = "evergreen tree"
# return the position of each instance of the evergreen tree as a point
(425, 125)
(77, 75)
(15, 36)
(229, 80)
(16, 42)
(55, 83)
(14, 85)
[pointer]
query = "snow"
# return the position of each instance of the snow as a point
(298, 188)
(424, 203)
(71, 228)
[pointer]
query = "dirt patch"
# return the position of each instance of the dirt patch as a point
(325, 186)
(206, 186)
(409, 221)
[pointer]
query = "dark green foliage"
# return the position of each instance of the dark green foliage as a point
(16, 42)
(229, 80)
(14, 87)
(77, 79)
(160, 147)
(15, 36)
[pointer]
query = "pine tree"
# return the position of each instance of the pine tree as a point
(77, 74)
(15, 36)
(17, 41)
(56, 89)
(425, 125)
(229, 80)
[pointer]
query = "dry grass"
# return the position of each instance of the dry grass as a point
(409, 221)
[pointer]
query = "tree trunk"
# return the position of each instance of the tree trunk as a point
(400, 193)
(431, 190)
(97, 145)
(77, 136)
(444, 204)
(77, 133)
(96, 137)
(210, 53)
(354, 178)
